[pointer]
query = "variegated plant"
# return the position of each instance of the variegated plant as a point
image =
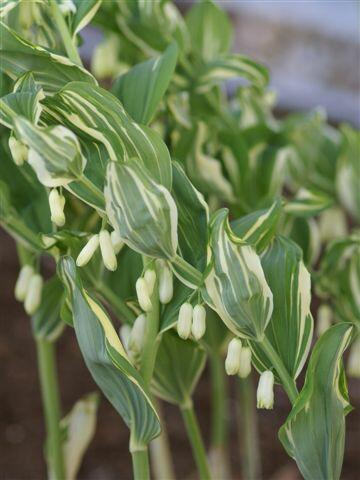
(201, 221)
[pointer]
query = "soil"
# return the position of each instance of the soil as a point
(22, 429)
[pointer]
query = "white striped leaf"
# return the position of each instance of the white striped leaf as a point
(94, 113)
(54, 154)
(291, 326)
(230, 66)
(179, 364)
(235, 286)
(85, 12)
(50, 70)
(141, 210)
(305, 232)
(314, 432)
(308, 202)
(107, 360)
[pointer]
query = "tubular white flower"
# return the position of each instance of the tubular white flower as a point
(33, 294)
(18, 150)
(124, 332)
(245, 362)
(232, 362)
(66, 7)
(150, 279)
(184, 320)
(353, 366)
(22, 283)
(265, 390)
(88, 251)
(107, 250)
(116, 241)
(166, 288)
(198, 326)
(324, 317)
(142, 292)
(137, 335)
(57, 203)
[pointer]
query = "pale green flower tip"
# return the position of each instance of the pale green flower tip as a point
(184, 322)
(22, 283)
(198, 326)
(18, 150)
(142, 292)
(232, 361)
(150, 279)
(56, 204)
(137, 334)
(88, 251)
(265, 391)
(33, 295)
(245, 362)
(353, 366)
(324, 318)
(107, 250)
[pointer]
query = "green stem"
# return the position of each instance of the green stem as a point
(193, 431)
(51, 405)
(287, 381)
(151, 344)
(160, 453)
(140, 461)
(248, 431)
(60, 22)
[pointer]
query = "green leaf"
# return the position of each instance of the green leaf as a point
(210, 30)
(179, 364)
(78, 429)
(141, 89)
(308, 203)
(55, 153)
(235, 286)
(305, 232)
(314, 432)
(142, 211)
(259, 227)
(94, 113)
(85, 12)
(291, 326)
(230, 66)
(107, 360)
(46, 322)
(51, 71)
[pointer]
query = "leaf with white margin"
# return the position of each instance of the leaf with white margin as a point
(308, 203)
(314, 432)
(54, 152)
(108, 362)
(83, 15)
(50, 70)
(235, 285)
(291, 327)
(141, 210)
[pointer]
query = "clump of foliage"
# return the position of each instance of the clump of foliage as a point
(198, 219)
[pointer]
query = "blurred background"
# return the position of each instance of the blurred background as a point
(312, 50)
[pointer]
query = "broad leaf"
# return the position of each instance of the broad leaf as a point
(308, 203)
(85, 11)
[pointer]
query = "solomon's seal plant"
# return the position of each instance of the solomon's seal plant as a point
(200, 220)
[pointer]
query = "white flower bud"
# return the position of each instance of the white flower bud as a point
(166, 289)
(33, 294)
(66, 7)
(353, 366)
(23, 281)
(124, 332)
(142, 292)
(232, 362)
(324, 317)
(185, 320)
(198, 326)
(48, 241)
(116, 241)
(265, 390)
(107, 250)
(137, 335)
(18, 150)
(150, 279)
(57, 203)
(104, 62)
(245, 362)
(88, 251)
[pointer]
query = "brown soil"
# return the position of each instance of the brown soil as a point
(21, 425)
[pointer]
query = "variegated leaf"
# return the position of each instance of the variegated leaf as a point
(83, 15)
(141, 210)
(291, 326)
(314, 432)
(305, 232)
(107, 360)
(308, 202)
(92, 112)
(50, 70)
(235, 286)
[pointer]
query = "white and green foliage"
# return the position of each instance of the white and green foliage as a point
(125, 189)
